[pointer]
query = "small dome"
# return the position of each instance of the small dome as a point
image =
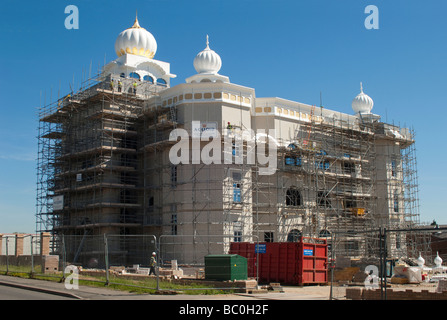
(207, 61)
(136, 40)
(362, 103)
(420, 261)
(438, 260)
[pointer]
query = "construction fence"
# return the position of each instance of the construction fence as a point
(380, 264)
(126, 260)
(388, 264)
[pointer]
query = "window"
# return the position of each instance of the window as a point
(236, 150)
(324, 233)
(148, 79)
(322, 153)
(294, 235)
(151, 204)
(293, 197)
(396, 201)
(134, 75)
(237, 192)
(161, 82)
(237, 236)
(393, 169)
(322, 165)
(290, 161)
(348, 167)
(323, 199)
(236, 175)
(173, 176)
(350, 203)
(174, 224)
(398, 244)
(293, 161)
(268, 236)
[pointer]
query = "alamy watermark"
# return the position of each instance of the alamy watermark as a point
(72, 280)
(372, 20)
(372, 280)
(72, 20)
(261, 147)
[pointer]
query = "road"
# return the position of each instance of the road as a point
(14, 293)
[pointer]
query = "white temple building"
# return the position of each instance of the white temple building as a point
(325, 172)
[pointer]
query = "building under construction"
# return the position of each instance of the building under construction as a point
(106, 163)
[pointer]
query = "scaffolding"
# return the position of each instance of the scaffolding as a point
(348, 176)
(87, 172)
(104, 167)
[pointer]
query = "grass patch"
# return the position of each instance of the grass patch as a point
(141, 286)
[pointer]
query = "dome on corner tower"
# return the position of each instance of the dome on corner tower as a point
(362, 103)
(136, 40)
(207, 61)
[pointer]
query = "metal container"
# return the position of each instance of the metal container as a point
(225, 267)
(293, 263)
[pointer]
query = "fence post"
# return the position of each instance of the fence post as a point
(64, 255)
(106, 258)
(32, 257)
(385, 254)
(332, 266)
(157, 270)
(7, 254)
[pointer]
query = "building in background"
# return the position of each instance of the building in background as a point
(105, 164)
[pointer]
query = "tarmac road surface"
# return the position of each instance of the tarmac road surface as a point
(57, 290)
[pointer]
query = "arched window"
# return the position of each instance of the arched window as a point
(161, 82)
(134, 75)
(148, 79)
(294, 235)
(324, 234)
(293, 197)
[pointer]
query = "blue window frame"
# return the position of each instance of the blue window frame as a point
(322, 165)
(161, 82)
(236, 192)
(148, 79)
(134, 75)
(290, 161)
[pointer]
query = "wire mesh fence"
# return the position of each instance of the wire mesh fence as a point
(387, 264)
(374, 264)
(174, 263)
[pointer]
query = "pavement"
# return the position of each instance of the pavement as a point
(97, 293)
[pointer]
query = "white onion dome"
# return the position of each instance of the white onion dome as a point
(362, 103)
(420, 261)
(438, 260)
(136, 40)
(207, 61)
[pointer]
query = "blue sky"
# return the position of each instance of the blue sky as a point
(286, 48)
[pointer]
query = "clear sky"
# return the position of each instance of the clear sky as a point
(286, 48)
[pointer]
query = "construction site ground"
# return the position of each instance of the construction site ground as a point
(308, 292)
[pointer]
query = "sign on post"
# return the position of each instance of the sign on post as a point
(260, 248)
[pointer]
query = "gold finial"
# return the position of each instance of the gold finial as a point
(136, 25)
